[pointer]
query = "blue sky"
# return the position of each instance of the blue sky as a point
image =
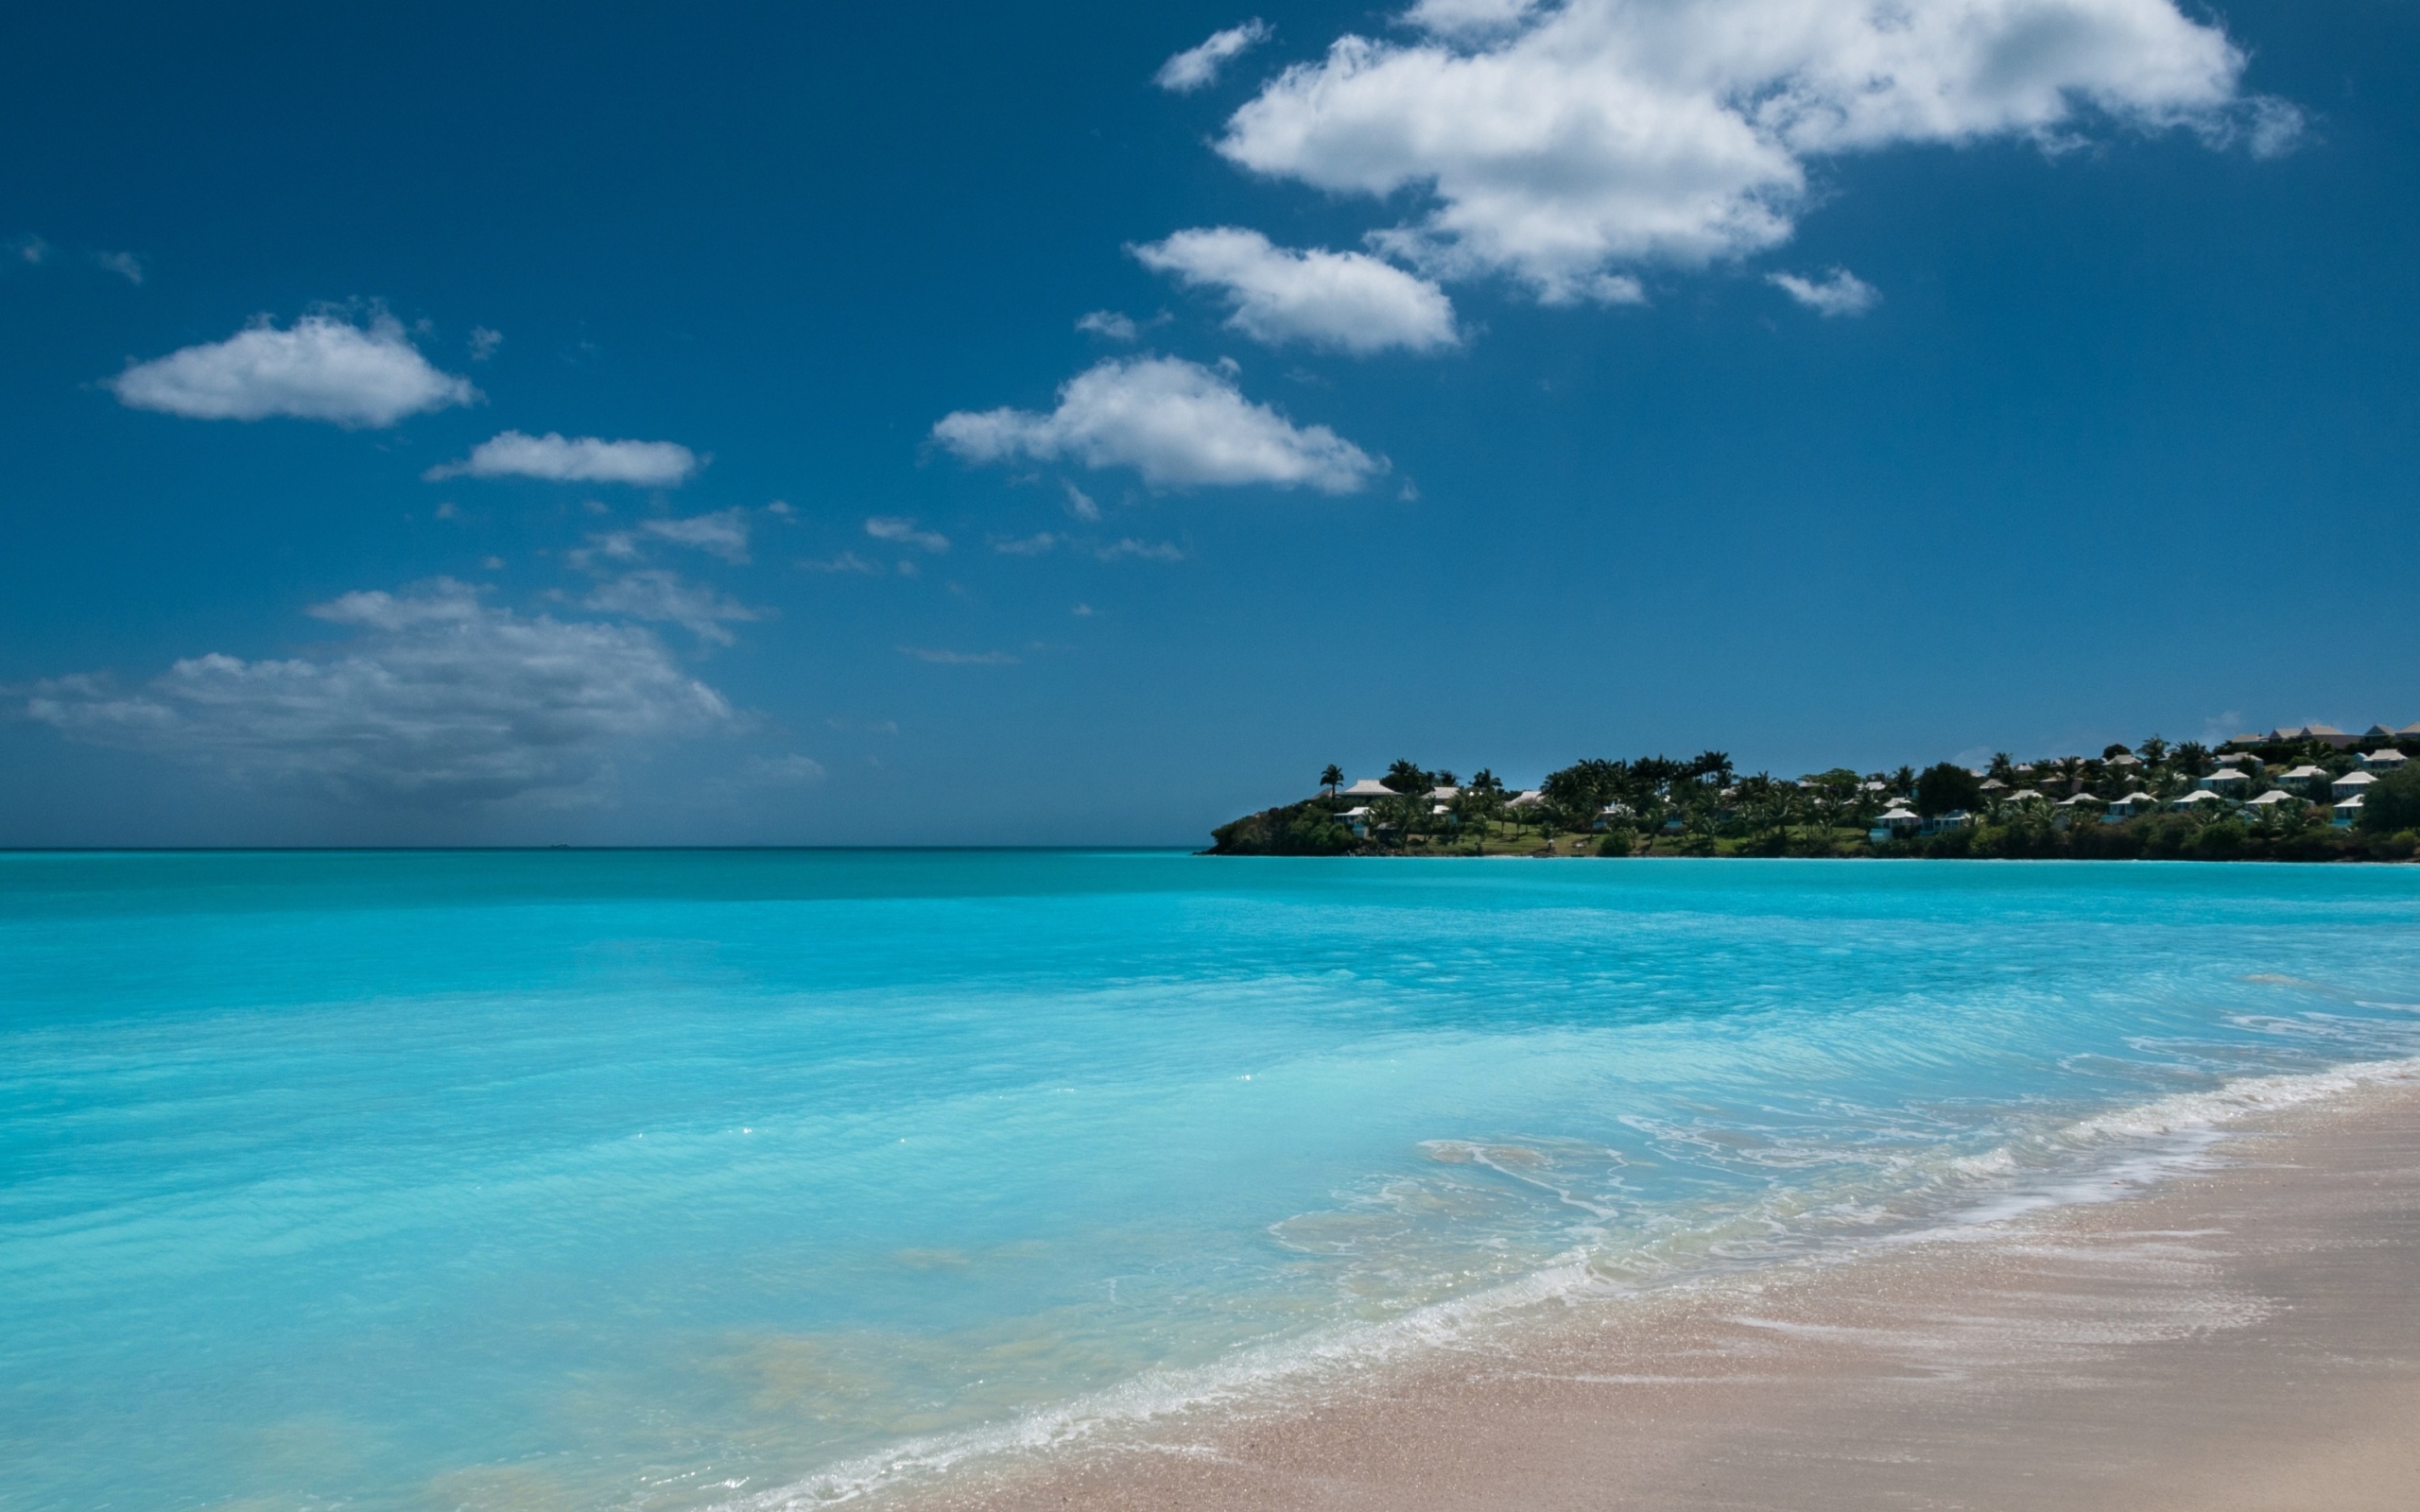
(1509, 384)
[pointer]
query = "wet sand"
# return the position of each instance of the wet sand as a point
(2247, 1337)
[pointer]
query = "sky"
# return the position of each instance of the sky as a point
(1079, 424)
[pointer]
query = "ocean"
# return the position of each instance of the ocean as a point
(756, 1179)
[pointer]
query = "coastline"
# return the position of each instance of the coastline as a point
(2234, 1334)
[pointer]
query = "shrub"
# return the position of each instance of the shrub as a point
(1945, 787)
(2393, 803)
(1305, 829)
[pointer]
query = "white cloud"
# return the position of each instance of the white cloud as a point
(1465, 18)
(1079, 504)
(903, 531)
(1610, 132)
(1131, 549)
(959, 659)
(583, 460)
(723, 533)
(125, 264)
(792, 770)
(1343, 300)
(320, 368)
(32, 248)
(1027, 545)
(1109, 323)
(656, 595)
(1177, 422)
(438, 699)
(484, 342)
(848, 561)
(1841, 293)
(1198, 66)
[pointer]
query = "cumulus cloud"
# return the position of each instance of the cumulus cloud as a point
(438, 700)
(484, 342)
(1601, 134)
(1177, 422)
(1198, 67)
(1841, 293)
(656, 595)
(320, 368)
(1349, 300)
(583, 460)
(898, 528)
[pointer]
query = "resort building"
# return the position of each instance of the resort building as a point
(2348, 811)
(2384, 760)
(2127, 807)
(2311, 780)
(2272, 799)
(1369, 787)
(2201, 798)
(2351, 785)
(2227, 782)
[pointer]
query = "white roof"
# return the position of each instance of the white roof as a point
(1528, 797)
(2306, 770)
(1894, 812)
(2138, 796)
(2355, 779)
(1443, 794)
(2353, 803)
(2082, 797)
(2276, 795)
(1369, 787)
(2125, 759)
(1361, 812)
(2230, 775)
(2389, 757)
(2200, 795)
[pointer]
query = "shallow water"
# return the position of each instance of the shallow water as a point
(663, 1179)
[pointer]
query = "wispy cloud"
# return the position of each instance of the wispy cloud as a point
(1131, 549)
(723, 533)
(656, 595)
(959, 659)
(557, 458)
(1840, 293)
(125, 264)
(1198, 66)
(320, 368)
(1027, 545)
(484, 342)
(848, 561)
(902, 530)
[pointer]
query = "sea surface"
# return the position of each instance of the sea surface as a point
(646, 1179)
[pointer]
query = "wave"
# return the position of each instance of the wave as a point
(2102, 1157)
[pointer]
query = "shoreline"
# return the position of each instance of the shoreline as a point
(2235, 1326)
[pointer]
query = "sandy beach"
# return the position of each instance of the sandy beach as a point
(2245, 1335)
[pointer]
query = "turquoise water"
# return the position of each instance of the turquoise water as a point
(649, 1180)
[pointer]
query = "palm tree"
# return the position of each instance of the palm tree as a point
(1407, 777)
(1331, 777)
(2154, 751)
(2003, 767)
